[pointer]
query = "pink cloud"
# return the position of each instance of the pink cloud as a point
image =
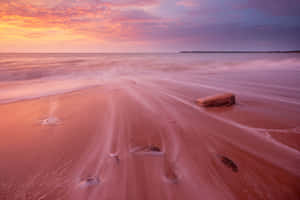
(131, 2)
(134, 16)
(187, 3)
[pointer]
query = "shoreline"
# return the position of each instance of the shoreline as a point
(295, 51)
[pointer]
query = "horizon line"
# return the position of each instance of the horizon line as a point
(151, 52)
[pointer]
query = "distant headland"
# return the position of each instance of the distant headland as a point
(294, 51)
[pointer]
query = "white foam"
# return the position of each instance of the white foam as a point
(50, 121)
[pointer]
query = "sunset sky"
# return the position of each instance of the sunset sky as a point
(148, 25)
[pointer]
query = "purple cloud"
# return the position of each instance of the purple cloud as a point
(275, 8)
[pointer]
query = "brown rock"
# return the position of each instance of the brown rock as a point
(225, 99)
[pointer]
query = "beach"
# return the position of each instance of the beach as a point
(77, 126)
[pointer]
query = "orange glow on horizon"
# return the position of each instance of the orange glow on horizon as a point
(29, 27)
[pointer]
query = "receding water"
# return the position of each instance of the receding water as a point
(31, 75)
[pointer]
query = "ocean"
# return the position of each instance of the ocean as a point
(33, 75)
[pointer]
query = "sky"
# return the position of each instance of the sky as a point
(148, 25)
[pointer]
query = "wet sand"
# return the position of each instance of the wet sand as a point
(145, 138)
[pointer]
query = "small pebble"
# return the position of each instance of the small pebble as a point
(115, 156)
(229, 163)
(50, 121)
(90, 181)
(154, 148)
